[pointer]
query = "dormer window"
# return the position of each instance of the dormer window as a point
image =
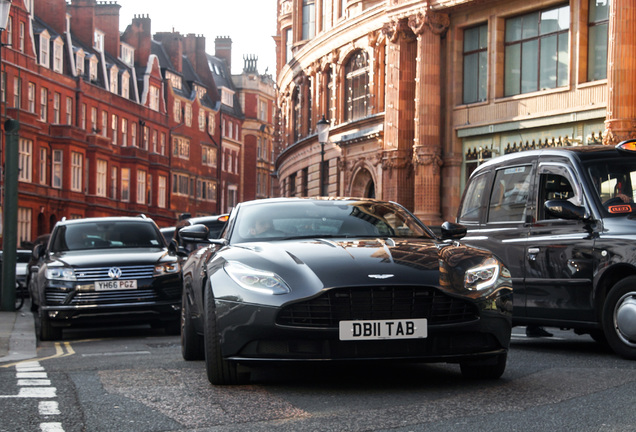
(175, 80)
(58, 50)
(154, 98)
(79, 62)
(227, 96)
(201, 91)
(125, 85)
(127, 54)
(98, 43)
(114, 81)
(45, 40)
(93, 68)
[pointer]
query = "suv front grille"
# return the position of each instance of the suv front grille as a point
(101, 273)
(96, 298)
(373, 303)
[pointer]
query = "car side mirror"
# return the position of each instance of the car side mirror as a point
(38, 251)
(453, 231)
(564, 209)
(194, 234)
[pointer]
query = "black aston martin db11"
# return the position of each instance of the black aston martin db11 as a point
(315, 279)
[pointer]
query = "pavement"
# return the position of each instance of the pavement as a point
(17, 335)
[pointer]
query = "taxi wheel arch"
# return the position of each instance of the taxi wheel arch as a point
(619, 317)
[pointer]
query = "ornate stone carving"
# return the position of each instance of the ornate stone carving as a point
(395, 30)
(421, 158)
(285, 7)
(437, 22)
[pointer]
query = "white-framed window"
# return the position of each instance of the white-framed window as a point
(24, 224)
(17, 92)
(162, 187)
(176, 111)
(206, 190)
(201, 118)
(92, 67)
(104, 124)
(77, 169)
(56, 108)
(154, 140)
(113, 182)
(43, 165)
(133, 134)
(232, 197)
(262, 110)
(124, 132)
(9, 31)
(100, 178)
(208, 156)
(145, 131)
(94, 128)
(201, 91)
(25, 161)
(181, 147)
(57, 169)
(22, 36)
(127, 54)
(211, 123)
(69, 110)
(83, 117)
(114, 81)
(79, 62)
(125, 85)
(45, 41)
(98, 41)
(141, 187)
(114, 122)
(58, 52)
(175, 80)
(154, 98)
(188, 115)
(180, 184)
(162, 144)
(227, 96)
(31, 97)
(125, 184)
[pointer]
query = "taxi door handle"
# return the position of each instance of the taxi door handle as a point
(532, 253)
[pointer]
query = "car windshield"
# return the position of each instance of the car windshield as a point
(324, 219)
(615, 183)
(106, 235)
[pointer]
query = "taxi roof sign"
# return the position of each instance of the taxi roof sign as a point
(628, 146)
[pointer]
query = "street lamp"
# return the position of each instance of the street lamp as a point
(322, 128)
(9, 235)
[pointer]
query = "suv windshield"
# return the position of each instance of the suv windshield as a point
(615, 183)
(106, 235)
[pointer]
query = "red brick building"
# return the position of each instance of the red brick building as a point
(119, 123)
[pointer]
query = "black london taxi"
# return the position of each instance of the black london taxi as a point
(563, 220)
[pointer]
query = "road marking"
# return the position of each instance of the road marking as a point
(49, 408)
(34, 382)
(51, 427)
(31, 375)
(104, 354)
(61, 350)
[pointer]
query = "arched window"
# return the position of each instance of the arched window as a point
(298, 116)
(357, 86)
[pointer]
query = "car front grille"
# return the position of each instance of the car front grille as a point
(101, 273)
(94, 298)
(375, 303)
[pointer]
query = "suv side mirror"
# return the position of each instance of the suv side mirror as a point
(453, 231)
(564, 209)
(38, 251)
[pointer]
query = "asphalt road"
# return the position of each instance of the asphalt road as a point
(135, 380)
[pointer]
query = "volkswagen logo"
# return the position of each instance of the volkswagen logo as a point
(114, 273)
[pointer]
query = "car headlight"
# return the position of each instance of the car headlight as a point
(256, 280)
(483, 276)
(61, 273)
(167, 268)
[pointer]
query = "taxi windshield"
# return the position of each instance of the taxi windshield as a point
(615, 184)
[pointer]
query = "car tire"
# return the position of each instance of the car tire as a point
(619, 318)
(46, 331)
(484, 369)
(191, 342)
(219, 370)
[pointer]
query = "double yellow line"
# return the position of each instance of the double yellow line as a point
(62, 349)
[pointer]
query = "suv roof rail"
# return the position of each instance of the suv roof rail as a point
(63, 219)
(143, 216)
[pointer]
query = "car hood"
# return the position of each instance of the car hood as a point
(110, 257)
(329, 263)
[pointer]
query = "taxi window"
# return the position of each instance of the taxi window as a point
(509, 194)
(473, 201)
(615, 182)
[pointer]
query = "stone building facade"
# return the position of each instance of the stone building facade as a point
(419, 93)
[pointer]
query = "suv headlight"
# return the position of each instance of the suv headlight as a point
(483, 276)
(256, 280)
(61, 273)
(167, 268)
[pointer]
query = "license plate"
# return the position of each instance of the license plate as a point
(383, 329)
(115, 285)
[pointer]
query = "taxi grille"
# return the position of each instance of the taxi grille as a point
(371, 303)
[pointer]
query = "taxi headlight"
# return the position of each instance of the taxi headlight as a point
(252, 279)
(483, 276)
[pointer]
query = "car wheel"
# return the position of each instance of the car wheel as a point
(46, 330)
(484, 369)
(619, 318)
(191, 343)
(219, 370)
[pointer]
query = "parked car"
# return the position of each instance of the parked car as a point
(563, 221)
(110, 270)
(311, 279)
